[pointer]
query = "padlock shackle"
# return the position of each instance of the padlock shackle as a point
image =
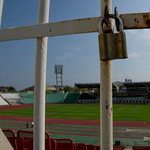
(111, 16)
(101, 25)
(121, 24)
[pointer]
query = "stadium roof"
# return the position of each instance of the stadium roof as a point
(126, 84)
(136, 84)
(90, 85)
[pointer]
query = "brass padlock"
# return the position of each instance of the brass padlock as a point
(112, 45)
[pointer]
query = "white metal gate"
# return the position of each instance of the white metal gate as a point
(41, 31)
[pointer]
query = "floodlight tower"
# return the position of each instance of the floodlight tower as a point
(59, 71)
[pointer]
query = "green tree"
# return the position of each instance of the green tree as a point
(76, 90)
(68, 89)
(11, 89)
(7, 88)
(83, 90)
(49, 91)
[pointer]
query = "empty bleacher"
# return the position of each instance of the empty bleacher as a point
(55, 97)
(50, 97)
(87, 98)
(71, 98)
(131, 100)
(28, 97)
(3, 102)
(24, 141)
(12, 98)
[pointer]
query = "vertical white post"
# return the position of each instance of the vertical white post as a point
(1, 10)
(40, 80)
(106, 123)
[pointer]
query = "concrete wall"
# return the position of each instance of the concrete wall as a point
(2, 101)
(12, 97)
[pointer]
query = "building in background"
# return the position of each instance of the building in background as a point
(127, 92)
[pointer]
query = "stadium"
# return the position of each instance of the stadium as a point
(73, 118)
(127, 92)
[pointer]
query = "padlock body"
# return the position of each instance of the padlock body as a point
(112, 46)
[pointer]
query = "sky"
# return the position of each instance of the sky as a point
(79, 54)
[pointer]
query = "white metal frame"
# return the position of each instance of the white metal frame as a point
(87, 25)
(106, 113)
(40, 79)
(77, 26)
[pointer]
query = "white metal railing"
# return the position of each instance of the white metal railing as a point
(77, 26)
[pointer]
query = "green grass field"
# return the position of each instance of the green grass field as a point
(89, 112)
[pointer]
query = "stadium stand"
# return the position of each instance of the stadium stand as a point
(118, 148)
(87, 98)
(81, 146)
(65, 144)
(50, 97)
(55, 97)
(131, 100)
(3, 101)
(90, 147)
(4, 143)
(10, 134)
(141, 148)
(71, 98)
(12, 98)
(28, 97)
(27, 138)
(127, 92)
(24, 141)
(97, 147)
(123, 92)
(53, 144)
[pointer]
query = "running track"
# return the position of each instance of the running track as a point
(78, 130)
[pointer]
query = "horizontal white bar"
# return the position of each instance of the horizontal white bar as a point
(85, 25)
(78, 26)
(136, 20)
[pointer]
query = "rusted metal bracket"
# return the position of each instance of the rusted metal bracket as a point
(136, 20)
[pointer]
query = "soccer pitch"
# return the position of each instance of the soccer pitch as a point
(87, 111)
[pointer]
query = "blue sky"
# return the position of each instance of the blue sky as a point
(79, 54)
